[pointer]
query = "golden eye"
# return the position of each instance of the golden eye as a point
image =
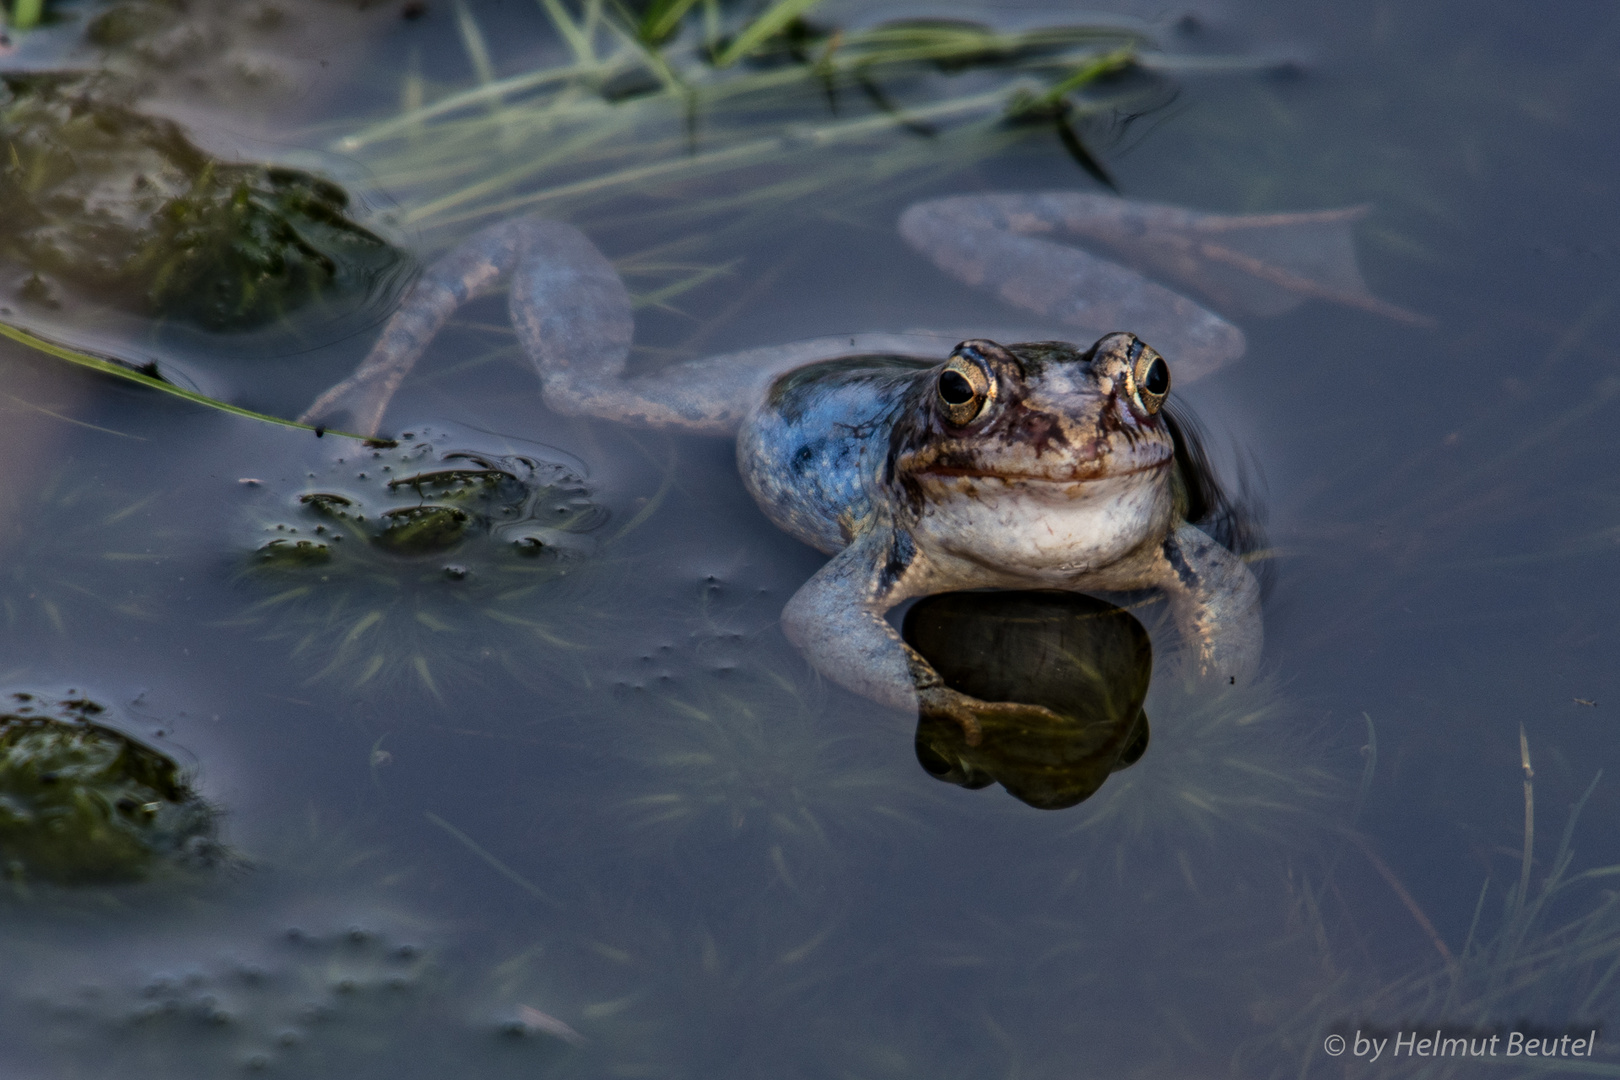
(964, 389)
(1150, 375)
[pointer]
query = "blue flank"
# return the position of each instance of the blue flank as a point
(815, 453)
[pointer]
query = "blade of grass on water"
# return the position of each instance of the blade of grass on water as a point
(123, 371)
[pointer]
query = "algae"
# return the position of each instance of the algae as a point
(83, 803)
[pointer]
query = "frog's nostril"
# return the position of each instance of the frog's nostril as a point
(954, 388)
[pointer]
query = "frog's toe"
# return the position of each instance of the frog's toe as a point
(946, 704)
(357, 403)
(971, 714)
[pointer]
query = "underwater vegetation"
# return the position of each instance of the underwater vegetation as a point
(1235, 774)
(124, 208)
(1541, 957)
(78, 549)
(746, 757)
(82, 803)
(405, 562)
(1084, 659)
(353, 1000)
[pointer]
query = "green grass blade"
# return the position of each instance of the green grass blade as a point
(771, 21)
(123, 371)
(394, 125)
(472, 40)
(1051, 101)
(26, 14)
(576, 34)
(662, 18)
(667, 170)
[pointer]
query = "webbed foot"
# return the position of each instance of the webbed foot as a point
(971, 714)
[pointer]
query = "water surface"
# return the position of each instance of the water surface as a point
(623, 801)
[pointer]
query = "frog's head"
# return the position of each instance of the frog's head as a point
(1040, 456)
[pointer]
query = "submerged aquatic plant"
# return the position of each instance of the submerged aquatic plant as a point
(78, 550)
(405, 562)
(742, 752)
(1543, 963)
(1225, 770)
(81, 802)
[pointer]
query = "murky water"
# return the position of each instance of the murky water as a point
(585, 812)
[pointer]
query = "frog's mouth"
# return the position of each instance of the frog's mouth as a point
(1083, 472)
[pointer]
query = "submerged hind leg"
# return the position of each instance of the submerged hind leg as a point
(981, 242)
(573, 317)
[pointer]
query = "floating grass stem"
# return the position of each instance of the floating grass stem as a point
(580, 35)
(122, 370)
(497, 865)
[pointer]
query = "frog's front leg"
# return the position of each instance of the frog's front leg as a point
(836, 620)
(1215, 601)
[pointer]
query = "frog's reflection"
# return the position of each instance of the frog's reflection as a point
(1085, 660)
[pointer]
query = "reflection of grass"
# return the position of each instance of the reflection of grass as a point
(409, 564)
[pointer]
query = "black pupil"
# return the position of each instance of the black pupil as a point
(955, 389)
(1157, 379)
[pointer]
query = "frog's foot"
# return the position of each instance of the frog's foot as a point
(971, 714)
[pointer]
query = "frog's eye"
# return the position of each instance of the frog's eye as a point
(1150, 376)
(964, 389)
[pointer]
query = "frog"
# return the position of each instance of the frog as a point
(920, 466)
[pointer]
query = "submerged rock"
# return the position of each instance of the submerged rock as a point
(82, 803)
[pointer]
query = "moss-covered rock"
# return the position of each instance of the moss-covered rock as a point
(82, 803)
(123, 207)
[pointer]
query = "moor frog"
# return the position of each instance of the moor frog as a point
(922, 468)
